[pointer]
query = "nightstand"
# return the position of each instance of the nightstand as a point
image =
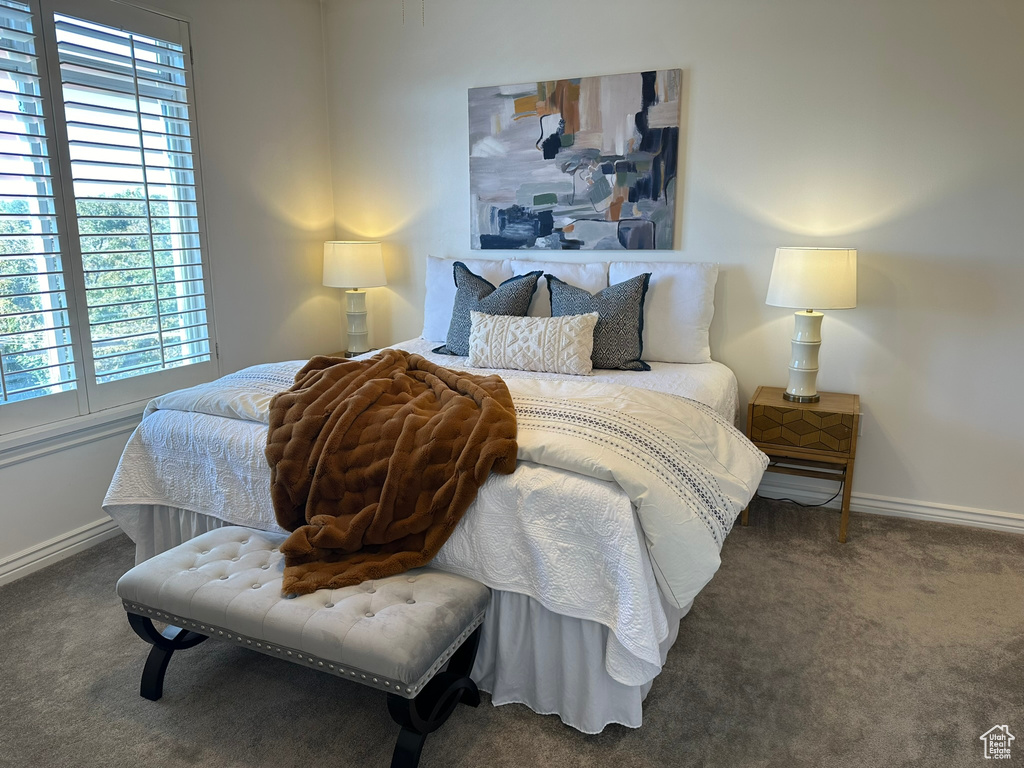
(807, 439)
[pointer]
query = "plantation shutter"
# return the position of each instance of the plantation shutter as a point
(37, 357)
(133, 203)
(104, 289)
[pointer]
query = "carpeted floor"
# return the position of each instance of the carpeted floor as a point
(899, 648)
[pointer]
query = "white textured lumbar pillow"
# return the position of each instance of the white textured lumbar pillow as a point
(549, 344)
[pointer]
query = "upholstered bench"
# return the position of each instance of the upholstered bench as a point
(395, 634)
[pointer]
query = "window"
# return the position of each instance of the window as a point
(103, 292)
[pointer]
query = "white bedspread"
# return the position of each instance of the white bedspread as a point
(680, 465)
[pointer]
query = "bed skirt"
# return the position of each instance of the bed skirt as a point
(553, 664)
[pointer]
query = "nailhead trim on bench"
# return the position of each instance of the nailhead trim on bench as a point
(323, 665)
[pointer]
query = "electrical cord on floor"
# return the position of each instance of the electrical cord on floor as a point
(805, 506)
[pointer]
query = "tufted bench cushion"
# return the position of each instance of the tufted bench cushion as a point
(393, 633)
(413, 635)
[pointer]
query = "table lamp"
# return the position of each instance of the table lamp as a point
(816, 278)
(354, 265)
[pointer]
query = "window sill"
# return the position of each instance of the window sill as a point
(34, 443)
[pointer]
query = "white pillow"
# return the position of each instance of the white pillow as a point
(592, 277)
(678, 310)
(437, 308)
(551, 344)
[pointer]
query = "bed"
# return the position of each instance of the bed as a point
(582, 616)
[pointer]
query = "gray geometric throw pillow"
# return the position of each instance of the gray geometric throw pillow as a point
(618, 336)
(512, 297)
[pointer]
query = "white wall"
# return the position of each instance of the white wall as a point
(264, 142)
(895, 128)
(263, 138)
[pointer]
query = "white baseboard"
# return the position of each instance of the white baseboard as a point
(32, 559)
(808, 491)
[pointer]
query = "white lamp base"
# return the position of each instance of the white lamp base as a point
(803, 368)
(355, 311)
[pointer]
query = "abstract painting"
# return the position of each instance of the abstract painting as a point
(575, 164)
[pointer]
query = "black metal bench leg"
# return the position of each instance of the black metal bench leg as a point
(164, 645)
(152, 686)
(433, 705)
(407, 749)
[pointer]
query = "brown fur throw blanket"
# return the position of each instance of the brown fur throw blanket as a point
(373, 463)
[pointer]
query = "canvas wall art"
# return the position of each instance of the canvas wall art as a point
(576, 164)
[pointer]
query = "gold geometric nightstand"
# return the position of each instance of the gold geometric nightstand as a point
(807, 439)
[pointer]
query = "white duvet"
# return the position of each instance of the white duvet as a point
(595, 458)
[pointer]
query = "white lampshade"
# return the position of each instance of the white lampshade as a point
(813, 278)
(352, 264)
